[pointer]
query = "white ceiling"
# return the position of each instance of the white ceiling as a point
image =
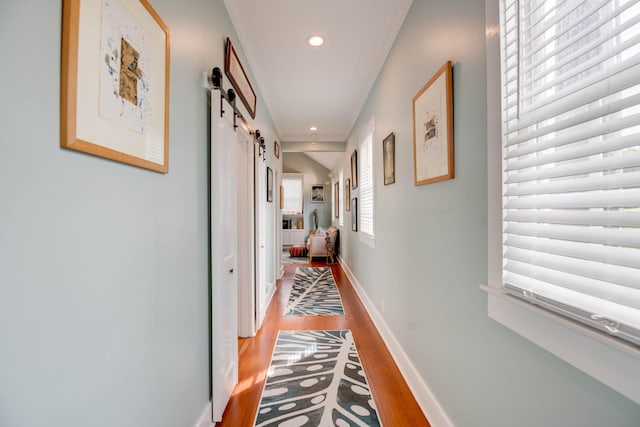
(326, 86)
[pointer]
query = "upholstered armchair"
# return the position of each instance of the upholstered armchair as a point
(317, 243)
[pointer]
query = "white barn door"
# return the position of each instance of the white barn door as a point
(224, 292)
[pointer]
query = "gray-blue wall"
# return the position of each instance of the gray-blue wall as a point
(430, 254)
(104, 266)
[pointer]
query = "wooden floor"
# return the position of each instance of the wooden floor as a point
(396, 405)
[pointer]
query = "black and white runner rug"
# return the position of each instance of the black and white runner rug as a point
(314, 293)
(316, 379)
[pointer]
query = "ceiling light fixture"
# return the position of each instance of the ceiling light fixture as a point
(315, 41)
(313, 128)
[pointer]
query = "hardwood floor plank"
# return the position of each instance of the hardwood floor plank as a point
(396, 405)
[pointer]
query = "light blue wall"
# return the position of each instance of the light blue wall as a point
(104, 266)
(430, 253)
(314, 173)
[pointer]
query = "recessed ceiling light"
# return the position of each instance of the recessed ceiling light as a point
(315, 41)
(313, 128)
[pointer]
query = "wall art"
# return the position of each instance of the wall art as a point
(236, 74)
(115, 82)
(433, 129)
(389, 159)
(317, 193)
(354, 214)
(269, 184)
(354, 169)
(276, 149)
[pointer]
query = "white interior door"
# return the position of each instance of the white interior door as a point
(246, 233)
(224, 292)
(261, 280)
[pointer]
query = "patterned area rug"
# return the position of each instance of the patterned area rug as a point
(314, 293)
(316, 379)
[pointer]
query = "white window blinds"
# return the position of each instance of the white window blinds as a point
(293, 198)
(366, 186)
(571, 159)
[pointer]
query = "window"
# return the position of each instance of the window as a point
(366, 188)
(571, 159)
(293, 196)
(340, 199)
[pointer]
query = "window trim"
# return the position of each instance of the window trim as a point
(297, 176)
(369, 131)
(340, 198)
(610, 361)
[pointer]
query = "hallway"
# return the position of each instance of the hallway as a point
(396, 405)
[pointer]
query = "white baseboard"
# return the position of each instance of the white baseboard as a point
(205, 418)
(424, 396)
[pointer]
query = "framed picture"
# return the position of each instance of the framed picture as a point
(269, 184)
(433, 129)
(114, 93)
(317, 193)
(389, 158)
(336, 198)
(236, 74)
(354, 214)
(354, 169)
(276, 149)
(347, 194)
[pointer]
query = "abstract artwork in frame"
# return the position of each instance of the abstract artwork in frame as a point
(317, 193)
(269, 184)
(354, 214)
(114, 93)
(389, 159)
(347, 194)
(354, 169)
(433, 129)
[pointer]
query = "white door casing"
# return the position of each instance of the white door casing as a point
(246, 235)
(261, 280)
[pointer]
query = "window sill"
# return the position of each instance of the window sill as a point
(605, 358)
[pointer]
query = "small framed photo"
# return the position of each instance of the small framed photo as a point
(317, 193)
(354, 214)
(433, 129)
(354, 169)
(276, 149)
(269, 184)
(347, 195)
(389, 158)
(336, 198)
